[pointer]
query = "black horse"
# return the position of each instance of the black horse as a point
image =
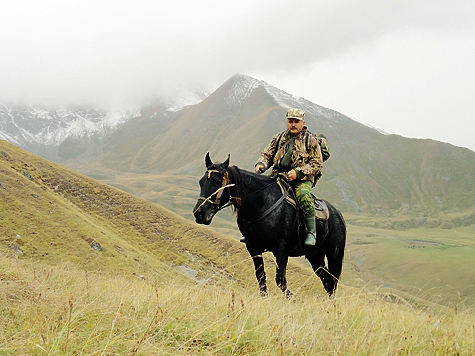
(269, 223)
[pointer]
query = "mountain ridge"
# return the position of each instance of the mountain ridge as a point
(368, 172)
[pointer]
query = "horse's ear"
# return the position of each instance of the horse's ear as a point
(208, 162)
(226, 163)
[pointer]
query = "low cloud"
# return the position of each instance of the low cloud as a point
(105, 51)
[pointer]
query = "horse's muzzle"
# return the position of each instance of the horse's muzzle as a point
(203, 215)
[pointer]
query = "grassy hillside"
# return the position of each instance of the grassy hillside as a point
(53, 214)
(88, 269)
(389, 175)
(63, 310)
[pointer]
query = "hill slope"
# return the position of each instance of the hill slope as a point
(88, 269)
(53, 214)
(62, 310)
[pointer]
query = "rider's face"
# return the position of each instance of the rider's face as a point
(295, 125)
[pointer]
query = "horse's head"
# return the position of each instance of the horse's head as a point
(213, 195)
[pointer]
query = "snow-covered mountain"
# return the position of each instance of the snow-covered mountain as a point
(42, 129)
(367, 171)
(239, 117)
(243, 86)
(23, 124)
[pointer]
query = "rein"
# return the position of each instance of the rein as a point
(262, 188)
(270, 209)
(275, 205)
(227, 183)
(278, 202)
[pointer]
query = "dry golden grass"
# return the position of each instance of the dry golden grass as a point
(59, 296)
(63, 310)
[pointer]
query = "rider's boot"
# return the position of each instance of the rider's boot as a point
(310, 238)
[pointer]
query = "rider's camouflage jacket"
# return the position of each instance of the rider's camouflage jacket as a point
(307, 163)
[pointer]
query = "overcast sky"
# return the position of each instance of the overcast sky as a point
(403, 66)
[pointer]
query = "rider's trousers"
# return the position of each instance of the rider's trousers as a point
(302, 190)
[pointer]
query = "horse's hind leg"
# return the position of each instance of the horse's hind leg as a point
(318, 265)
(260, 273)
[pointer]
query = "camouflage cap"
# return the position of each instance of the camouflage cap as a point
(295, 114)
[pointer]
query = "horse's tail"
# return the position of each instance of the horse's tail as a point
(337, 236)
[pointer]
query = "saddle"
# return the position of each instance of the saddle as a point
(321, 208)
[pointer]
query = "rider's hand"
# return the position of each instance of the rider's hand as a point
(291, 175)
(259, 169)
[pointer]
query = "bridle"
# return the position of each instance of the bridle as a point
(226, 183)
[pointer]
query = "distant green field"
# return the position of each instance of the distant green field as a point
(434, 262)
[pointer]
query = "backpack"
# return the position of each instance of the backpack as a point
(322, 141)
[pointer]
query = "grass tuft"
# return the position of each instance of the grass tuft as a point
(48, 310)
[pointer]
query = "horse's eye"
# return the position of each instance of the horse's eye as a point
(215, 177)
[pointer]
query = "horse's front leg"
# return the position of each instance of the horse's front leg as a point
(280, 273)
(260, 274)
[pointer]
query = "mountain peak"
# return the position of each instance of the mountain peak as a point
(242, 78)
(241, 86)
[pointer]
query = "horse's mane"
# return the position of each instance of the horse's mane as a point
(241, 179)
(239, 189)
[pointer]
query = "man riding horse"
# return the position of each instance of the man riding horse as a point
(297, 154)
